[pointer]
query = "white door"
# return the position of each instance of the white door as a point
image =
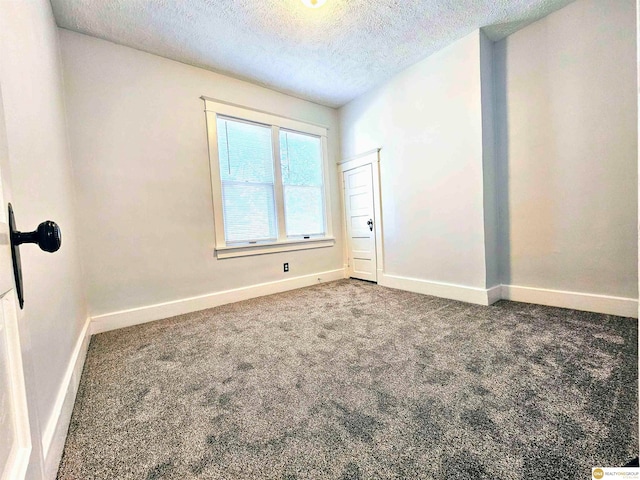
(15, 436)
(361, 235)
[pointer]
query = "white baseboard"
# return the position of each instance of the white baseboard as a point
(620, 306)
(462, 293)
(54, 433)
(624, 307)
(150, 313)
(494, 294)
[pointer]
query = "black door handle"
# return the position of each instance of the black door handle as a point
(47, 236)
(370, 223)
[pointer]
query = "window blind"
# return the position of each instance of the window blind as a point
(301, 165)
(246, 172)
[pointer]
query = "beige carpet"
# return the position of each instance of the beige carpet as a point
(349, 380)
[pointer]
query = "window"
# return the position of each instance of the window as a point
(301, 165)
(268, 177)
(246, 172)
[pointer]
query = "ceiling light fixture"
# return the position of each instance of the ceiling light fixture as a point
(314, 3)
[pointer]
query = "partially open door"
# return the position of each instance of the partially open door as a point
(361, 238)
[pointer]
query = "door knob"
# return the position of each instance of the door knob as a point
(47, 236)
(370, 223)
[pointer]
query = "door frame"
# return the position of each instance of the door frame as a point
(27, 445)
(372, 157)
(17, 389)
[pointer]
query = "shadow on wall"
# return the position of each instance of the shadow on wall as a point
(502, 159)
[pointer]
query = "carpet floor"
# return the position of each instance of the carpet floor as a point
(350, 380)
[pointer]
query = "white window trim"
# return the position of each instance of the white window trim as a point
(213, 108)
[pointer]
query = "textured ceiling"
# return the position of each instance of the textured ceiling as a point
(328, 55)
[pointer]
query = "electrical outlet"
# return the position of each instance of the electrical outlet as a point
(286, 267)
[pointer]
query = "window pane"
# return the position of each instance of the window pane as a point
(245, 153)
(249, 212)
(246, 171)
(301, 159)
(304, 210)
(301, 163)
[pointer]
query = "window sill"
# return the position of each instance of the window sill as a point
(265, 248)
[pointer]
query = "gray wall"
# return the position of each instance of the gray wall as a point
(139, 145)
(567, 120)
(41, 173)
(489, 163)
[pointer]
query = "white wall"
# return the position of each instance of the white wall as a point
(567, 109)
(428, 121)
(139, 146)
(41, 174)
